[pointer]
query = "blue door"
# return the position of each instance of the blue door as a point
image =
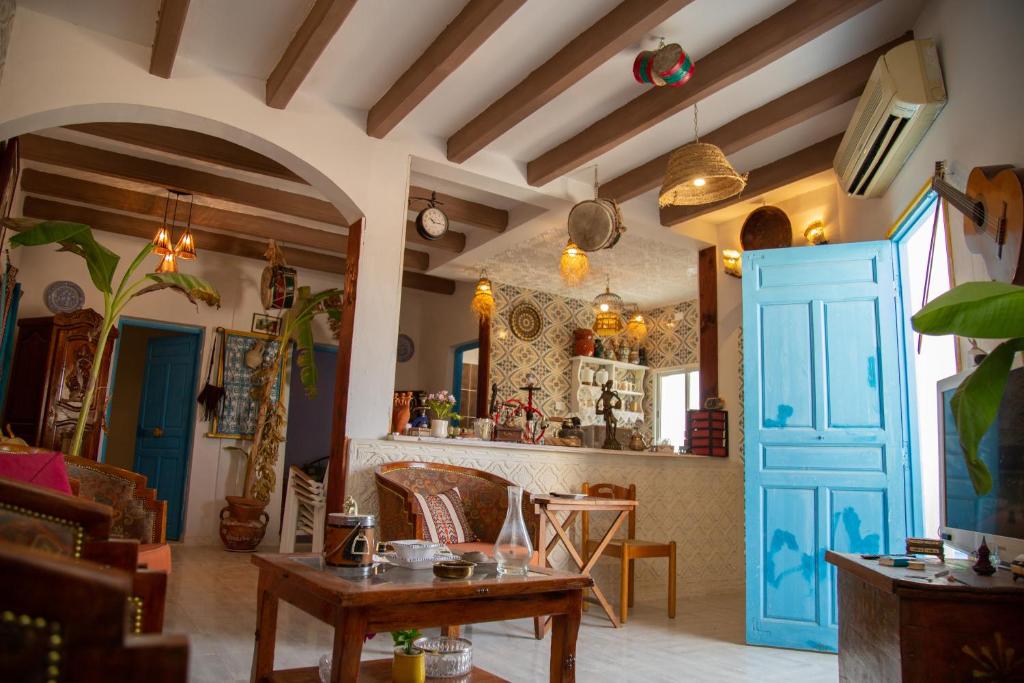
(165, 421)
(824, 445)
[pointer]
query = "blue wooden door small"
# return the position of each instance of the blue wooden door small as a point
(165, 421)
(824, 440)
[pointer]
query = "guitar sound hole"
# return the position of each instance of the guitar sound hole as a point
(978, 216)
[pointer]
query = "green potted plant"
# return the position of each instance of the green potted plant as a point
(244, 519)
(980, 310)
(409, 665)
(442, 405)
(102, 264)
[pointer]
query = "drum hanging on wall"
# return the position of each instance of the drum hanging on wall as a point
(595, 224)
(277, 287)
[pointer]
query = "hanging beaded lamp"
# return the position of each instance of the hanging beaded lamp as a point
(607, 313)
(574, 264)
(483, 298)
(699, 173)
(636, 326)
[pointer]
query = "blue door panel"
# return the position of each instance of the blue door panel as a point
(823, 432)
(165, 421)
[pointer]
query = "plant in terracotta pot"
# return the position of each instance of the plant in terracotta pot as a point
(409, 665)
(102, 263)
(244, 520)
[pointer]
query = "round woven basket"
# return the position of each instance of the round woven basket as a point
(699, 160)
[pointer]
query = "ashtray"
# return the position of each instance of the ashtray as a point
(477, 557)
(454, 569)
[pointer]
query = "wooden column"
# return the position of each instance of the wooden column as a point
(339, 436)
(483, 370)
(707, 280)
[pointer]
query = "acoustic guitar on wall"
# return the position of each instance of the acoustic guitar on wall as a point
(993, 209)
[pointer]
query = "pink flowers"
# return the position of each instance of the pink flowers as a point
(442, 404)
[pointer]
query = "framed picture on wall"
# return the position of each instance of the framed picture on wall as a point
(243, 352)
(266, 324)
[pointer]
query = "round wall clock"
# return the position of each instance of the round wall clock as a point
(63, 296)
(432, 223)
(525, 321)
(406, 348)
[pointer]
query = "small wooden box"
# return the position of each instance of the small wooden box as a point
(508, 434)
(707, 432)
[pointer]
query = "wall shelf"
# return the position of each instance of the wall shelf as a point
(627, 381)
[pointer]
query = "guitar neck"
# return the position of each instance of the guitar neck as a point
(963, 203)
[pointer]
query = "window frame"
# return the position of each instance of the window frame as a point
(656, 375)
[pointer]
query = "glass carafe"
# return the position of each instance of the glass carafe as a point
(513, 550)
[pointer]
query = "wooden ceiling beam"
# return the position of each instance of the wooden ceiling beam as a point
(189, 144)
(132, 226)
(477, 21)
(797, 166)
(104, 162)
(169, 25)
(461, 210)
(620, 28)
(450, 241)
(831, 90)
(36, 182)
(779, 34)
(317, 30)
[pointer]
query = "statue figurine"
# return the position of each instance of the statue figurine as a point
(350, 507)
(606, 405)
(984, 566)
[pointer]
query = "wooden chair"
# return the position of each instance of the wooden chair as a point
(628, 549)
(65, 619)
(50, 521)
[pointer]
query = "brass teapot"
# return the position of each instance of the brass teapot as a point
(638, 442)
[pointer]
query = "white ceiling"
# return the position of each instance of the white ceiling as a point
(381, 38)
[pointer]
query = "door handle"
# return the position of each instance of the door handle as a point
(158, 432)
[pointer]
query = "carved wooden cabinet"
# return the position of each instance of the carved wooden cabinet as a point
(52, 362)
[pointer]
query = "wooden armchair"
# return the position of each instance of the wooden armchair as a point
(137, 514)
(484, 497)
(65, 619)
(52, 522)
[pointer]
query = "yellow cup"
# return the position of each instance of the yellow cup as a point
(408, 668)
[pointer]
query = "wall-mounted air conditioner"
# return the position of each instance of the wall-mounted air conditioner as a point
(900, 102)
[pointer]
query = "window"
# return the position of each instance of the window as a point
(467, 359)
(676, 391)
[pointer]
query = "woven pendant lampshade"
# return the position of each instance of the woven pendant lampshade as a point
(483, 298)
(607, 314)
(699, 173)
(636, 327)
(574, 264)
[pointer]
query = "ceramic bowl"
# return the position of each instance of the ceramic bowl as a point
(455, 569)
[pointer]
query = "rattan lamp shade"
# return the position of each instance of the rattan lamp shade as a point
(699, 173)
(607, 314)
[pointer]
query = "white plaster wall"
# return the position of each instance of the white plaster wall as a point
(436, 323)
(213, 471)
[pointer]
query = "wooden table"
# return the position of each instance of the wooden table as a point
(893, 627)
(547, 507)
(394, 598)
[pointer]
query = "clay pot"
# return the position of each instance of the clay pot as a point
(400, 411)
(244, 525)
(583, 342)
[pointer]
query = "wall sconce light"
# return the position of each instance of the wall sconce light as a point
(731, 263)
(815, 233)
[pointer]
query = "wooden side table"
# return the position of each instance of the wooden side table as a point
(547, 507)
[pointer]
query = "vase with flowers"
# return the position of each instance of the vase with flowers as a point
(442, 408)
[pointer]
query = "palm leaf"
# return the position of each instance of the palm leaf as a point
(195, 288)
(299, 325)
(78, 239)
(983, 310)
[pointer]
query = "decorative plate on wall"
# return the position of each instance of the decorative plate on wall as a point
(767, 227)
(406, 348)
(63, 296)
(525, 321)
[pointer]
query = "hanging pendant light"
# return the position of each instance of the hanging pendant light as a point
(574, 265)
(636, 326)
(168, 264)
(162, 239)
(699, 173)
(186, 247)
(607, 313)
(483, 298)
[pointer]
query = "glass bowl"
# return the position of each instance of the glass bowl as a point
(446, 657)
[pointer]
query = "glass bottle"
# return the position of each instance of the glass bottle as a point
(513, 550)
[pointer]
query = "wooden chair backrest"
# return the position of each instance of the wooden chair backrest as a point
(49, 520)
(614, 492)
(91, 476)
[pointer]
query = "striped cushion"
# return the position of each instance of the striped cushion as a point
(444, 520)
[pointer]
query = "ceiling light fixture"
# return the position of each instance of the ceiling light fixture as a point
(574, 264)
(186, 246)
(636, 327)
(607, 313)
(699, 173)
(483, 298)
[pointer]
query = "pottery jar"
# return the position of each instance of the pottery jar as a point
(582, 342)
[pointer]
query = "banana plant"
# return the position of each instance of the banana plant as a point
(980, 310)
(102, 265)
(297, 329)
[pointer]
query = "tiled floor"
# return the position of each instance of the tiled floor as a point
(212, 597)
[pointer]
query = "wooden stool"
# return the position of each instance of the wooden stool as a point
(628, 549)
